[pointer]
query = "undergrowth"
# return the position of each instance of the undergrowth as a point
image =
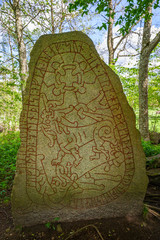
(150, 149)
(9, 144)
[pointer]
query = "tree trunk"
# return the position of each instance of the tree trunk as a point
(143, 79)
(52, 18)
(110, 35)
(63, 15)
(21, 44)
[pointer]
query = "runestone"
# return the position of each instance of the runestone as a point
(80, 154)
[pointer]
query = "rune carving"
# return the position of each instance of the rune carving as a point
(74, 113)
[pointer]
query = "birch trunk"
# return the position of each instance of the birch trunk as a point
(147, 48)
(143, 79)
(21, 44)
(52, 17)
(110, 35)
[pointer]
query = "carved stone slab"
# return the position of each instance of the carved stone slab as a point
(80, 156)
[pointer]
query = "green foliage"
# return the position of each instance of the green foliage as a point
(154, 120)
(150, 149)
(9, 144)
(129, 79)
(145, 211)
(150, 164)
(133, 11)
(51, 225)
(10, 99)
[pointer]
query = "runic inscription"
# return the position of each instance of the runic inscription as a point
(76, 149)
(73, 112)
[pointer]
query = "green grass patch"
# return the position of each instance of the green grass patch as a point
(9, 144)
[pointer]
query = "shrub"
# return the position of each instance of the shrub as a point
(150, 149)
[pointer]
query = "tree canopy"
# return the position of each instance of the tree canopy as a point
(133, 11)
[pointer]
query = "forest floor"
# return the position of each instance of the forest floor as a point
(146, 227)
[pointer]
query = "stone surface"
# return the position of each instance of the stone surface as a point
(80, 156)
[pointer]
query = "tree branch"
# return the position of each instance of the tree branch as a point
(38, 22)
(27, 36)
(121, 50)
(8, 29)
(10, 59)
(154, 42)
(32, 19)
(126, 34)
(104, 17)
(10, 3)
(117, 3)
(136, 33)
(129, 55)
(116, 37)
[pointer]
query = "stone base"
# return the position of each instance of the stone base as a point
(126, 206)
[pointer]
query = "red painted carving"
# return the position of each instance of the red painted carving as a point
(78, 149)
